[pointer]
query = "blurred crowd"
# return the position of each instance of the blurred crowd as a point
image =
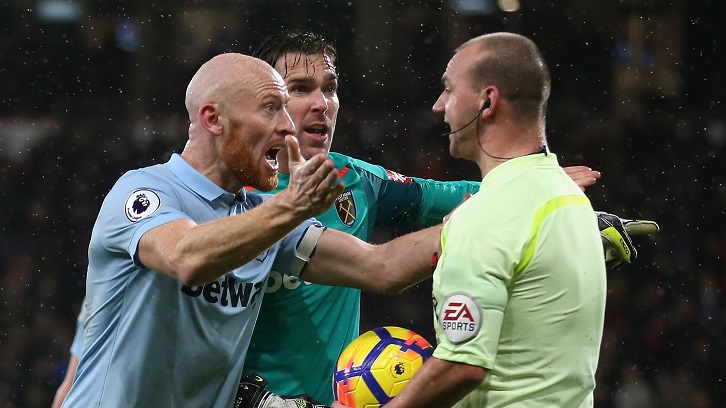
(65, 139)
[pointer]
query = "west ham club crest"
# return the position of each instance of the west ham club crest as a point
(345, 207)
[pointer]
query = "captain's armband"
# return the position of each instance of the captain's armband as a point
(305, 248)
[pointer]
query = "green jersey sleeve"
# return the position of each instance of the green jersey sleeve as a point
(413, 201)
(439, 198)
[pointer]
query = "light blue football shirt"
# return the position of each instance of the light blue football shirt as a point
(77, 346)
(149, 340)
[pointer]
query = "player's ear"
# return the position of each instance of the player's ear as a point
(210, 119)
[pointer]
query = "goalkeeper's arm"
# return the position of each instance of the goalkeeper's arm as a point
(615, 233)
(252, 394)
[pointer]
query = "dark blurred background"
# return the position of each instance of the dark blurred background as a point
(92, 88)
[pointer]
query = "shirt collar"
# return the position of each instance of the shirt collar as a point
(197, 182)
(530, 160)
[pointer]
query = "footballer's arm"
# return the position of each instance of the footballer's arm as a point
(197, 254)
(65, 386)
(341, 259)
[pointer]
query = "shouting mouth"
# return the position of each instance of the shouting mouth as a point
(271, 157)
(318, 131)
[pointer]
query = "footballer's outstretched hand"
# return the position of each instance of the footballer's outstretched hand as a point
(617, 243)
(582, 176)
(314, 184)
(251, 394)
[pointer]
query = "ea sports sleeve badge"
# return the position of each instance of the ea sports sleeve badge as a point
(141, 204)
(460, 317)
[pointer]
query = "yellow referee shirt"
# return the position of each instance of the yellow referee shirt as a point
(520, 288)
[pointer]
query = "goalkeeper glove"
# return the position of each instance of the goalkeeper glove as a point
(615, 233)
(251, 394)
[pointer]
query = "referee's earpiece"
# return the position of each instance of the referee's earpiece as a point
(487, 104)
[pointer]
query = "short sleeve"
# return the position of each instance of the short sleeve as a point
(77, 345)
(137, 203)
(472, 279)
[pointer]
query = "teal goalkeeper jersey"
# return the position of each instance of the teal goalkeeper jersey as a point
(302, 328)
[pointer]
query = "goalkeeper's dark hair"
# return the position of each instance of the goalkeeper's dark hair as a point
(300, 42)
